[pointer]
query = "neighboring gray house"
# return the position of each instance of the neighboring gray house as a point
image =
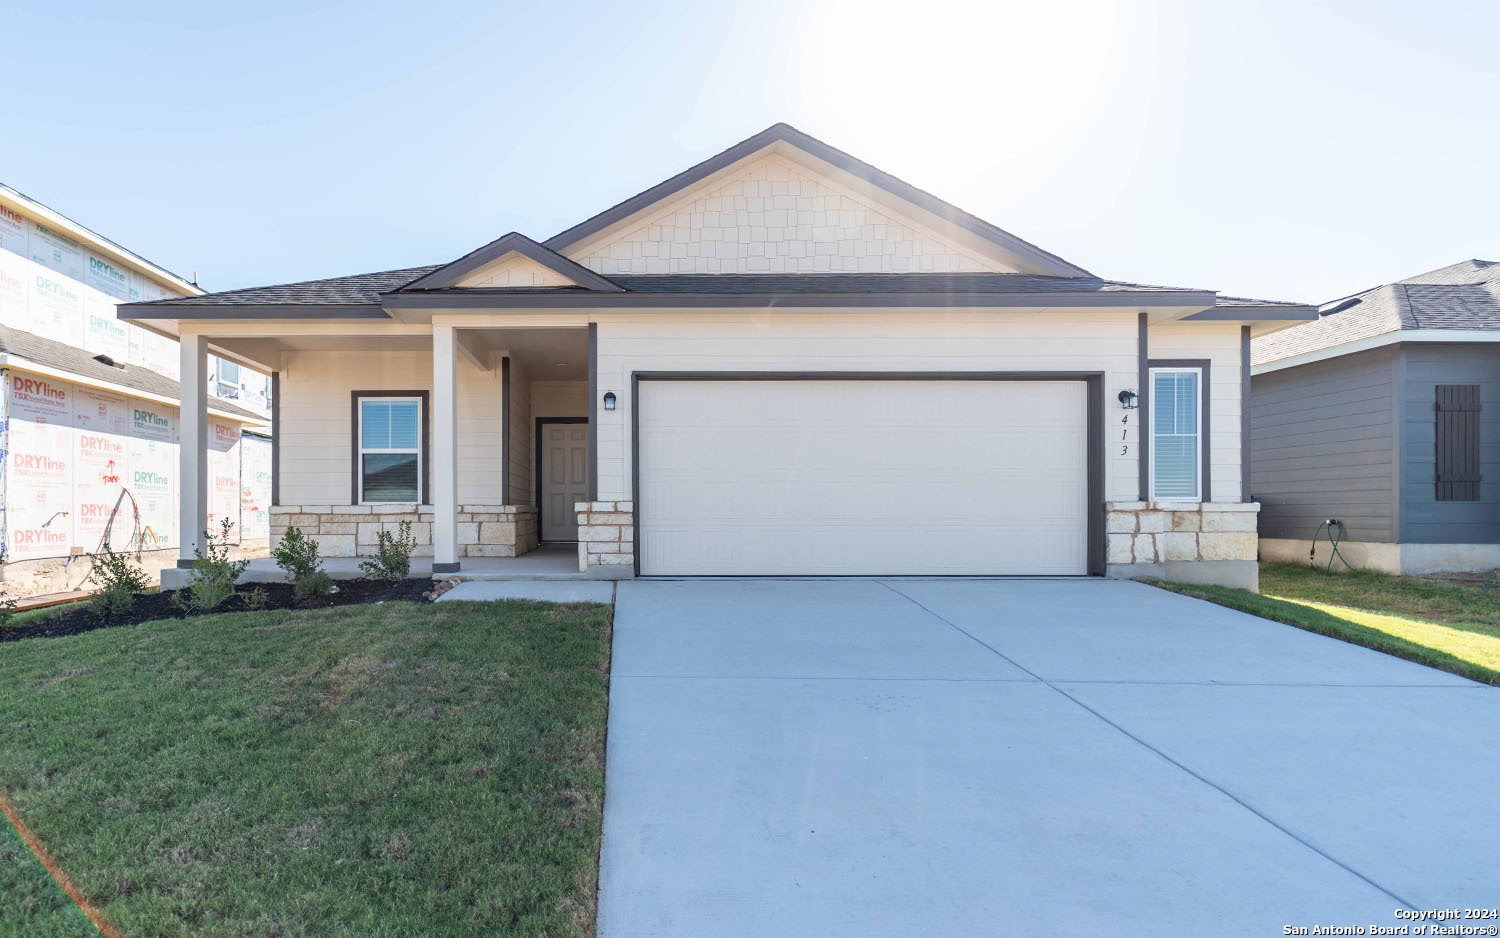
(1385, 414)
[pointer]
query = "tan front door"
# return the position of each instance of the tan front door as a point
(565, 478)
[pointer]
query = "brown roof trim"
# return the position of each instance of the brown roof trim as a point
(207, 311)
(514, 242)
(857, 167)
(474, 299)
(1248, 313)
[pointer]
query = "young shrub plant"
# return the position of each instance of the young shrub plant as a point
(214, 574)
(118, 580)
(392, 558)
(297, 555)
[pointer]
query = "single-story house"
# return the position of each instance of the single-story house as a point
(780, 361)
(1375, 415)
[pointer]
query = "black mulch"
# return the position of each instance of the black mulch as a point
(76, 617)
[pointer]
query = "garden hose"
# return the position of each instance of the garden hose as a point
(1335, 534)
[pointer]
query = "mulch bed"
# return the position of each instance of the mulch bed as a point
(74, 618)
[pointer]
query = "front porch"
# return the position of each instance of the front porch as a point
(481, 436)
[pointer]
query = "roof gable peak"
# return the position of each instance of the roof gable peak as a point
(463, 272)
(820, 159)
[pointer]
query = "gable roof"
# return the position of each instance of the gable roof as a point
(514, 243)
(367, 293)
(69, 358)
(788, 135)
(455, 285)
(1463, 296)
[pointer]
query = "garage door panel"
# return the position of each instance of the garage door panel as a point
(862, 477)
(1055, 501)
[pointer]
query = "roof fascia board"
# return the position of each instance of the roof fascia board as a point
(513, 243)
(790, 136)
(187, 312)
(8, 360)
(470, 299)
(1378, 341)
(1255, 314)
(98, 242)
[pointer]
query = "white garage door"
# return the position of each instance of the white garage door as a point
(804, 477)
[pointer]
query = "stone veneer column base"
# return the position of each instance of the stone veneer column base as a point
(606, 539)
(1210, 543)
(350, 530)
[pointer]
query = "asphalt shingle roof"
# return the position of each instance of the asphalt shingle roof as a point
(72, 359)
(1465, 295)
(335, 291)
(878, 283)
(367, 288)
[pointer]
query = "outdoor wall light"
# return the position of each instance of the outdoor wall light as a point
(609, 400)
(1128, 400)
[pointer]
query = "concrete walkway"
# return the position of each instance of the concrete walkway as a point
(971, 757)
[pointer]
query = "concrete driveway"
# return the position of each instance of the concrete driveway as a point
(973, 757)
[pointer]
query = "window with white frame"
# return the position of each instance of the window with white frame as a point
(1176, 433)
(390, 449)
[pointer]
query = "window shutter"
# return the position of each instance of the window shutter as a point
(1457, 466)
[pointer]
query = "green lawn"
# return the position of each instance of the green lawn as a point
(31, 904)
(1454, 626)
(376, 770)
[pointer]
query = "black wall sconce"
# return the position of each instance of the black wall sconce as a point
(1129, 400)
(609, 400)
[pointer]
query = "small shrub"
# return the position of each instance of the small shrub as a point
(314, 585)
(297, 554)
(392, 559)
(119, 583)
(214, 574)
(7, 608)
(256, 598)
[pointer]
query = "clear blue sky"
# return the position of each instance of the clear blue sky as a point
(1299, 149)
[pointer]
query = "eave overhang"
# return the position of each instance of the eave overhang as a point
(570, 299)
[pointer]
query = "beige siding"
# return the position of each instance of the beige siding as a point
(316, 432)
(777, 217)
(1220, 344)
(514, 270)
(560, 399)
(909, 340)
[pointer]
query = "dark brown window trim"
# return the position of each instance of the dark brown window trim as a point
(1245, 495)
(1143, 405)
(1093, 383)
(1205, 428)
(354, 460)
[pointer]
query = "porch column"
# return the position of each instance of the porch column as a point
(193, 435)
(444, 460)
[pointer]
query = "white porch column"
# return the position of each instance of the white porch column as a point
(192, 450)
(444, 458)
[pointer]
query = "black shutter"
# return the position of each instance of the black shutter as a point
(1457, 442)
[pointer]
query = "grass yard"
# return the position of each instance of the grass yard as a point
(1450, 625)
(31, 903)
(375, 770)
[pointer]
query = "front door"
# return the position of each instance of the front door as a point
(564, 474)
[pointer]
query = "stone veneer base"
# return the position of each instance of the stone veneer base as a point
(1209, 543)
(606, 539)
(351, 530)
